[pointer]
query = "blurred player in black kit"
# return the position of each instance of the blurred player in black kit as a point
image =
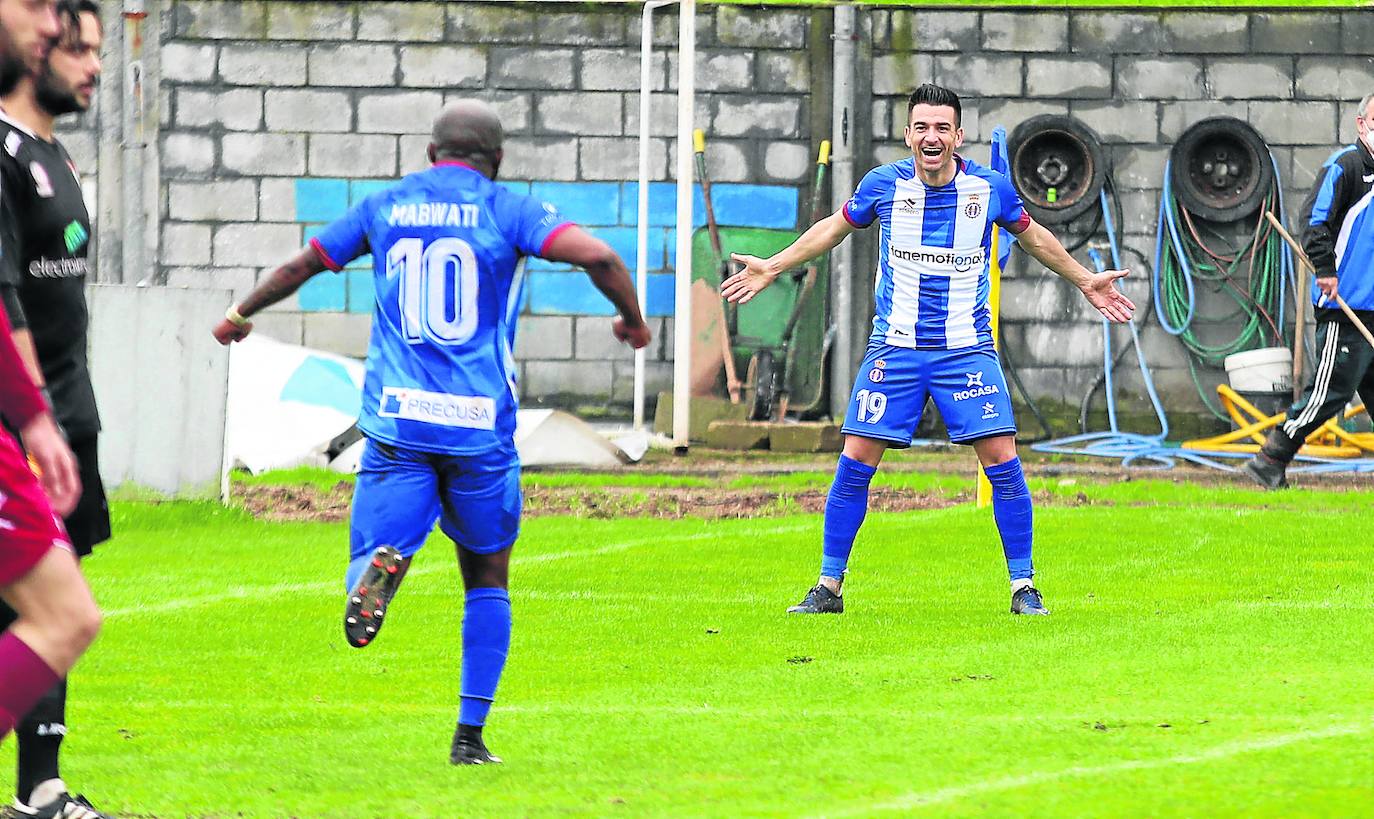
(44, 294)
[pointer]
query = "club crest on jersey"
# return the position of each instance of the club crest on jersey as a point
(881, 363)
(972, 210)
(41, 182)
(875, 375)
(975, 388)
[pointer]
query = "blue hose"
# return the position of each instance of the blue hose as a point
(1131, 447)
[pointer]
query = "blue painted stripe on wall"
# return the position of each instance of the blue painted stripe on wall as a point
(321, 200)
(586, 203)
(325, 292)
(360, 189)
(361, 294)
(574, 293)
(608, 209)
(770, 206)
(662, 204)
(766, 206)
(659, 300)
(625, 242)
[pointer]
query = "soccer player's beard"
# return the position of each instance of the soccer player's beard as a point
(53, 98)
(12, 65)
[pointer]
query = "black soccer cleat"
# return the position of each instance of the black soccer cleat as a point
(469, 749)
(1027, 600)
(1266, 472)
(369, 597)
(65, 806)
(819, 600)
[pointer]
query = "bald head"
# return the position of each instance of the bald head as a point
(468, 131)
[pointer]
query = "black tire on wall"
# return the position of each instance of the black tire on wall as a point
(1220, 169)
(1058, 166)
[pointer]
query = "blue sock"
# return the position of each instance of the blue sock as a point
(845, 508)
(1011, 508)
(486, 640)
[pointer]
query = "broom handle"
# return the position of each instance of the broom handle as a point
(1302, 257)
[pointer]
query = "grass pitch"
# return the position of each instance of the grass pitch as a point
(1210, 653)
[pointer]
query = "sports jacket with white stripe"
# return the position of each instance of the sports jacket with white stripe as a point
(1338, 230)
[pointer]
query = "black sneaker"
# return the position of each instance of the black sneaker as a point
(370, 596)
(819, 600)
(1266, 472)
(65, 806)
(469, 749)
(1027, 600)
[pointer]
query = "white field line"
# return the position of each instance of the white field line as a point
(912, 801)
(322, 586)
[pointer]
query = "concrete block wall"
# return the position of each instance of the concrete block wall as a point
(282, 113)
(277, 113)
(1138, 78)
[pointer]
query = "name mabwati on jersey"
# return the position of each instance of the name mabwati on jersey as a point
(931, 286)
(447, 249)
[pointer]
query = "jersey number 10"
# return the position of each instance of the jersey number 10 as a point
(438, 290)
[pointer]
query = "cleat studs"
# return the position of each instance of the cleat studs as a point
(378, 614)
(377, 561)
(362, 590)
(352, 621)
(392, 569)
(371, 630)
(363, 641)
(357, 601)
(366, 614)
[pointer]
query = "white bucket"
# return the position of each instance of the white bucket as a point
(1268, 369)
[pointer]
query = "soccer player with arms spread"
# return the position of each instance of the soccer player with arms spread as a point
(39, 576)
(439, 398)
(47, 307)
(931, 332)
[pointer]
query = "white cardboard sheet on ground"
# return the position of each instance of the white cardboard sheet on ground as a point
(287, 403)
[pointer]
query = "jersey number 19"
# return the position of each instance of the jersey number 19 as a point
(438, 293)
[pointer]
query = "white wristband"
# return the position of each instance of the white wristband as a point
(234, 317)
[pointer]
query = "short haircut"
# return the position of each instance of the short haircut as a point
(932, 94)
(1364, 104)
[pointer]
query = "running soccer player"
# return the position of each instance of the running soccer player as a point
(39, 576)
(931, 333)
(439, 397)
(47, 307)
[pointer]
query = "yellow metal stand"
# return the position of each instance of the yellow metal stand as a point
(1327, 441)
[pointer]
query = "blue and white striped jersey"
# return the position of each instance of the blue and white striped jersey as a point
(447, 247)
(931, 290)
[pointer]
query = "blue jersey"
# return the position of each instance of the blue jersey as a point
(447, 249)
(931, 290)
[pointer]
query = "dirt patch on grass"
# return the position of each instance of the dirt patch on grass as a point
(296, 503)
(309, 503)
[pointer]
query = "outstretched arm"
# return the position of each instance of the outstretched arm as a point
(279, 284)
(1097, 288)
(576, 246)
(758, 273)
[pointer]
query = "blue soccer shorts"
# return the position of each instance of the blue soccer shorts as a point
(401, 493)
(967, 386)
